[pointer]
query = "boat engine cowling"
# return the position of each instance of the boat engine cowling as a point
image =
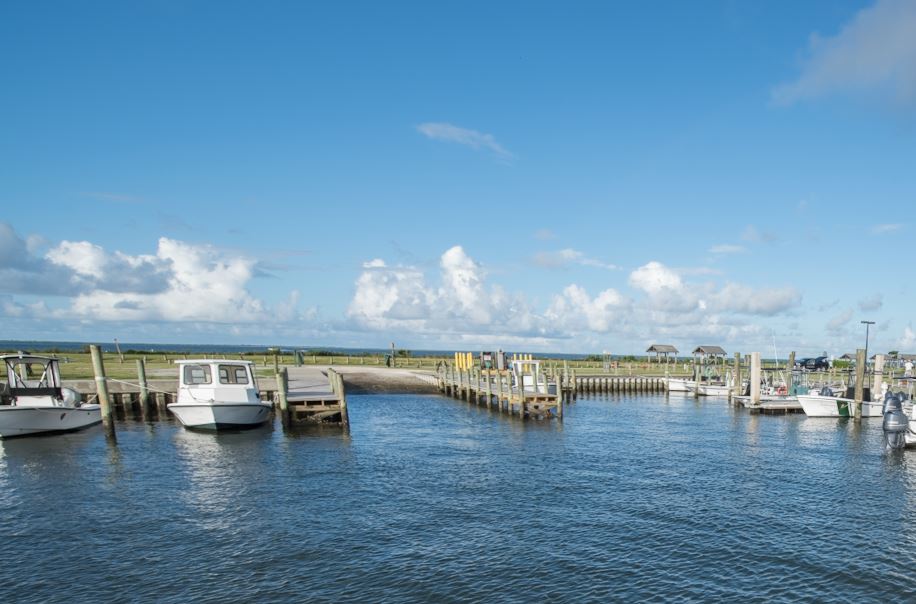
(896, 422)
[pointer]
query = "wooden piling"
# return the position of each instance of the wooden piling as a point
(736, 387)
(755, 379)
(101, 388)
(283, 395)
(144, 388)
(790, 367)
(878, 380)
(337, 385)
(860, 382)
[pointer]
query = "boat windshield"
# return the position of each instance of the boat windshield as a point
(233, 374)
(197, 374)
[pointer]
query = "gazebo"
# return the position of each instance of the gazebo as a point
(705, 353)
(662, 349)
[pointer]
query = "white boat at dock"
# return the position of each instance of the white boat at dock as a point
(825, 404)
(679, 384)
(34, 402)
(218, 395)
(713, 389)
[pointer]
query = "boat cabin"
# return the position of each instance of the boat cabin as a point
(212, 380)
(30, 376)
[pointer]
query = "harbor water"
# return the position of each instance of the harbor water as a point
(428, 499)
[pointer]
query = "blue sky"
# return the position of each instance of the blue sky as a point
(569, 177)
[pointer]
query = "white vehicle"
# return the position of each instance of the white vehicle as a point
(34, 402)
(218, 395)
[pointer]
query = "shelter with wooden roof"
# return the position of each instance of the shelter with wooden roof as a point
(662, 349)
(707, 353)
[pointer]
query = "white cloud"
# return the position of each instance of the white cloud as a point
(401, 298)
(667, 291)
(442, 131)
(574, 309)
(746, 300)
(565, 257)
(874, 52)
(202, 284)
(727, 248)
(881, 229)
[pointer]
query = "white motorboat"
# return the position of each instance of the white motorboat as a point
(218, 395)
(679, 384)
(824, 403)
(713, 389)
(34, 402)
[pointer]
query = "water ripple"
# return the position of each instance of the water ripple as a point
(632, 498)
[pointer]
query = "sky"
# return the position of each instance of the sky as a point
(573, 177)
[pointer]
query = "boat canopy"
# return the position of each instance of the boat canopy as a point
(30, 375)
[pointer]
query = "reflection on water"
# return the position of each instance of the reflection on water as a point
(647, 497)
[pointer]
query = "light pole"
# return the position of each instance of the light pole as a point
(867, 325)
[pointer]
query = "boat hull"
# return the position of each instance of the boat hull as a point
(831, 406)
(679, 385)
(713, 390)
(221, 416)
(18, 420)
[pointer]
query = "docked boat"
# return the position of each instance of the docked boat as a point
(679, 384)
(825, 403)
(33, 401)
(713, 389)
(218, 395)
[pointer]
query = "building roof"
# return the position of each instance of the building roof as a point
(848, 357)
(662, 348)
(709, 350)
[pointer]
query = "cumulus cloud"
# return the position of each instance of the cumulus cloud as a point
(875, 52)
(667, 291)
(565, 257)
(741, 299)
(400, 297)
(201, 284)
(450, 133)
(575, 309)
(180, 282)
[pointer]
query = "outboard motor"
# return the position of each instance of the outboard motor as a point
(896, 422)
(826, 391)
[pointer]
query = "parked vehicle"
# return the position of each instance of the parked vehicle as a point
(813, 364)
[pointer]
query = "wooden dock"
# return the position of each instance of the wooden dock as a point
(494, 389)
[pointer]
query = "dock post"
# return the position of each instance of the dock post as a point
(736, 389)
(878, 378)
(489, 390)
(790, 367)
(144, 388)
(499, 391)
(282, 392)
(860, 381)
(337, 385)
(101, 387)
(755, 379)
